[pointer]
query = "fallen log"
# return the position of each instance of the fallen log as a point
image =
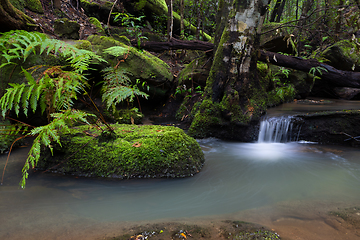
(177, 44)
(333, 76)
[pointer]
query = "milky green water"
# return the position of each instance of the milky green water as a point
(236, 177)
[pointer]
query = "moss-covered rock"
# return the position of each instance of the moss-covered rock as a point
(66, 29)
(8, 135)
(140, 64)
(343, 55)
(35, 6)
(94, 21)
(99, 9)
(196, 71)
(136, 151)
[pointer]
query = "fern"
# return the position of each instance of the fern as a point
(46, 135)
(117, 87)
(57, 88)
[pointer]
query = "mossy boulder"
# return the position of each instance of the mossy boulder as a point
(140, 64)
(65, 28)
(99, 9)
(94, 21)
(196, 71)
(343, 55)
(149, 151)
(34, 5)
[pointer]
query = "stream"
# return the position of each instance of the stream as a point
(289, 187)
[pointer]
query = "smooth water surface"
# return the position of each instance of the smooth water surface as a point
(236, 177)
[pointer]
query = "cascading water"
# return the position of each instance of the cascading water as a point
(276, 129)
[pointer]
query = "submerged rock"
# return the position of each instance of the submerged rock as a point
(149, 151)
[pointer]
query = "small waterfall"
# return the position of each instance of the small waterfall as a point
(276, 129)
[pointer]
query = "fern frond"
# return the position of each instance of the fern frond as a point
(46, 135)
(117, 51)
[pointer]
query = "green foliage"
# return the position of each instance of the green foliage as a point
(57, 87)
(132, 24)
(317, 70)
(9, 133)
(117, 85)
(45, 135)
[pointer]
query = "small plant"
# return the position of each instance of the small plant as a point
(117, 84)
(317, 70)
(133, 25)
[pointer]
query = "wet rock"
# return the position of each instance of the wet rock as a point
(67, 29)
(343, 55)
(332, 127)
(347, 93)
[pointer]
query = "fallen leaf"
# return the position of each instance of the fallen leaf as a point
(137, 144)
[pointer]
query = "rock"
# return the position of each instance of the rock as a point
(99, 10)
(94, 21)
(35, 6)
(330, 127)
(150, 151)
(140, 64)
(343, 55)
(276, 40)
(347, 93)
(66, 29)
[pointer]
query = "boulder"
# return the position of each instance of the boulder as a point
(149, 151)
(67, 29)
(343, 55)
(330, 127)
(347, 93)
(140, 64)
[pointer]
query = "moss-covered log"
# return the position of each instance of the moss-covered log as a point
(136, 151)
(12, 18)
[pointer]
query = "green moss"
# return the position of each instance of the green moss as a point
(8, 135)
(66, 29)
(137, 151)
(19, 4)
(207, 116)
(217, 66)
(124, 116)
(35, 6)
(192, 68)
(83, 44)
(94, 21)
(141, 65)
(124, 40)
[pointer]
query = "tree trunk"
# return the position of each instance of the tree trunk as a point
(182, 33)
(280, 11)
(275, 11)
(12, 18)
(170, 23)
(232, 88)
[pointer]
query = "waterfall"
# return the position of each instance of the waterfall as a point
(275, 129)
